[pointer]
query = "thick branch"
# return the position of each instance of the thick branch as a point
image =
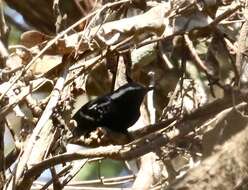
(135, 149)
(225, 169)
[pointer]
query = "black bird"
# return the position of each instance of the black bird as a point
(116, 111)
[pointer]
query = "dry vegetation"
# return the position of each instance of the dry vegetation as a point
(192, 131)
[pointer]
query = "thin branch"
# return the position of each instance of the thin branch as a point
(12, 156)
(4, 29)
(55, 179)
(3, 52)
(55, 95)
(195, 56)
(135, 149)
(54, 40)
(105, 181)
(61, 173)
(2, 159)
(74, 171)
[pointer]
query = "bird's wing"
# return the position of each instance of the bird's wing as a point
(99, 108)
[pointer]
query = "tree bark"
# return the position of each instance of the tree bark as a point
(226, 169)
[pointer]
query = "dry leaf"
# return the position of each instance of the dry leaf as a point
(153, 21)
(33, 38)
(45, 64)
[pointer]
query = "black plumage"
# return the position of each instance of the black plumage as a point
(116, 111)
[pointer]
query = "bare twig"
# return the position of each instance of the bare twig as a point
(195, 56)
(74, 171)
(241, 62)
(12, 156)
(3, 51)
(3, 26)
(133, 150)
(2, 159)
(53, 41)
(61, 173)
(105, 181)
(3, 35)
(33, 161)
(55, 179)
(42, 121)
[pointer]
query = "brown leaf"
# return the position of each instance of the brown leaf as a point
(152, 22)
(45, 64)
(33, 38)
